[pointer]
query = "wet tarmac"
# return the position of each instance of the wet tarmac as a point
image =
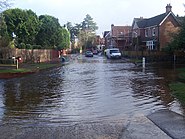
(134, 127)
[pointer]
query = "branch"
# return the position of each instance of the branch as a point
(5, 4)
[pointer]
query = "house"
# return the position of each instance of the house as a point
(119, 37)
(106, 35)
(156, 32)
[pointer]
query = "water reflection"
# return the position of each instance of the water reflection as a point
(86, 90)
(151, 91)
(26, 98)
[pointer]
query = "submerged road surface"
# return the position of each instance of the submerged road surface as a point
(87, 91)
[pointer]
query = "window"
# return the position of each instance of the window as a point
(146, 32)
(150, 45)
(153, 32)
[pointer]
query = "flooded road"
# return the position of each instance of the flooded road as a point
(86, 90)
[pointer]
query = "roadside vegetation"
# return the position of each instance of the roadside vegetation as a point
(40, 66)
(34, 67)
(23, 29)
(177, 45)
(178, 41)
(178, 88)
(15, 70)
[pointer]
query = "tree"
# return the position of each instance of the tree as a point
(47, 37)
(64, 37)
(87, 33)
(178, 41)
(4, 38)
(23, 23)
(4, 4)
(74, 30)
(89, 24)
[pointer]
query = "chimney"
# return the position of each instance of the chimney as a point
(168, 8)
(112, 26)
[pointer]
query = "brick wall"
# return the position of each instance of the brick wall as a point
(168, 28)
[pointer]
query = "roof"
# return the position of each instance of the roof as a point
(136, 20)
(105, 33)
(120, 30)
(180, 19)
(156, 20)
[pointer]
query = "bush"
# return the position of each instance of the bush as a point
(36, 46)
(28, 46)
(21, 46)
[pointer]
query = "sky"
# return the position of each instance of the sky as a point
(103, 12)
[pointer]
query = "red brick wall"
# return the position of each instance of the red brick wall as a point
(166, 29)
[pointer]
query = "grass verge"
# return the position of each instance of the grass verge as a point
(135, 60)
(29, 68)
(15, 70)
(178, 90)
(182, 74)
(40, 66)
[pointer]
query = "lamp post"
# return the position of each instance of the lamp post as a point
(17, 60)
(143, 58)
(14, 36)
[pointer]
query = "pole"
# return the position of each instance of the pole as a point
(17, 63)
(174, 58)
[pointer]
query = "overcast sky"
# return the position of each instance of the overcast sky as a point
(103, 12)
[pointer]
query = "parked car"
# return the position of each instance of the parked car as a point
(88, 54)
(113, 53)
(95, 52)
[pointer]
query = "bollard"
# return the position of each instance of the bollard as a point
(143, 62)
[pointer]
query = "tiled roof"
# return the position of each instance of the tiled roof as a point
(136, 20)
(151, 21)
(180, 19)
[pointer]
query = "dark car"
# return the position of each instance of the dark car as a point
(88, 54)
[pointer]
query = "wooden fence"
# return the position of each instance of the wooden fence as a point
(30, 55)
(149, 55)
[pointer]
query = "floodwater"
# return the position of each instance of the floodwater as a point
(86, 90)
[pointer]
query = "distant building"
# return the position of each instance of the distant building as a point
(118, 37)
(99, 40)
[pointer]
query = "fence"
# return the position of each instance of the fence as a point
(30, 55)
(149, 55)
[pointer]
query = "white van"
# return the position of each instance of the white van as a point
(113, 53)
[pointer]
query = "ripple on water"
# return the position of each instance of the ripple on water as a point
(86, 90)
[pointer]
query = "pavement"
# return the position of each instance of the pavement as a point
(171, 123)
(159, 125)
(163, 124)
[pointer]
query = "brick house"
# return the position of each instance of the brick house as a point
(156, 32)
(119, 37)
